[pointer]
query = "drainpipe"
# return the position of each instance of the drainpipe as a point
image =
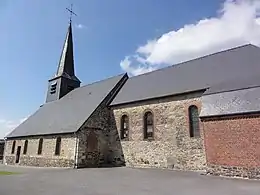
(76, 152)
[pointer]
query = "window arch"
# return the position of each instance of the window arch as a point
(25, 147)
(40, 146)
(194, 121)
(124, 128)
(13, 147)
(58, 146)
(148, 125)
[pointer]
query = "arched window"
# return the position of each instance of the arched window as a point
(40, 146)
(58, 146)
(194, 121)
(13, 147)
(148, 125)
(25, 147)
(124, 129)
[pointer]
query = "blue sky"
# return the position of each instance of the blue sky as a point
(110, 37)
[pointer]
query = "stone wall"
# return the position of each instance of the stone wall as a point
(172, 146)
(74, 147)
(102, 128)
(109, 150)
(232, 145)
(48, 157)
(230, 171)
(96, 125)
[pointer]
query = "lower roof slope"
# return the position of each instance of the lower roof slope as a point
(67, 114)
(238, 96)
(192, 75)
(231, 102)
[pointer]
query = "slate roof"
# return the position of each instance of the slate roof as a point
(243, 82)
(67, 114)
(231, 102)
(240, 95)
(197, 74)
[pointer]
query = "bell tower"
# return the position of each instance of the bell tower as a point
(64, 80)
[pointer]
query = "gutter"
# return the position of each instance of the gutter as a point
(230, 115)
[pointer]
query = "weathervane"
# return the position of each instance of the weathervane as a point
(71, 12)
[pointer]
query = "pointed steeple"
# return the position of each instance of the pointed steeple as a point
(64, 80)
(66, 64)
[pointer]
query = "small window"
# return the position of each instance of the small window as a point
(124, 130)
(40, 146)
(13, 147)
(53, 88)
(148, 125)
(194, 121)
(25, 147)
(58, 146)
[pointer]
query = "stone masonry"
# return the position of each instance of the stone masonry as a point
(108, 151)
(48, 157)
(229, 171)
(232, 145)
(102, 128)
(77, 149)
(172, 146)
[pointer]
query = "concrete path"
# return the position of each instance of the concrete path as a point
(119, 181)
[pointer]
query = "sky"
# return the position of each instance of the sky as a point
(110, 37)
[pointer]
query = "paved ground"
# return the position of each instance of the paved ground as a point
(119, 181)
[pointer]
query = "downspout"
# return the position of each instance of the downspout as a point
(76, 152)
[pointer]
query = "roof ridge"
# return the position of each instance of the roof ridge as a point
(46, 103)
(101, 80)
(57, 119)
(198, 58)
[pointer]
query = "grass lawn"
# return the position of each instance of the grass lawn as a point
(7, 173)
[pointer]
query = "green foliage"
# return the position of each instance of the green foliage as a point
(7, 173)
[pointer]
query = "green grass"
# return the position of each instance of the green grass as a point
(7, 173)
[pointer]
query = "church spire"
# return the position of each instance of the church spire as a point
(66, 63)
(65, 79)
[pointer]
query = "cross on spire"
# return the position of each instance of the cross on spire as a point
(71, 12)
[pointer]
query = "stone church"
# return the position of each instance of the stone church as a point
(202, 114)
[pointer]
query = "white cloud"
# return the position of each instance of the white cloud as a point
(6, 126)
(127, 66)
(80, 26)
(236, 23)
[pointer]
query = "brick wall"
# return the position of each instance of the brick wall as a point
(172, 146)
(232, 145)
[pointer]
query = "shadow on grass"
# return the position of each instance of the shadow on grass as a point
(8, 173)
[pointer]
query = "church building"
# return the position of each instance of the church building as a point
(200, 115)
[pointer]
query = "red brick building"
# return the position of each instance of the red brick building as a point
(231, 122)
